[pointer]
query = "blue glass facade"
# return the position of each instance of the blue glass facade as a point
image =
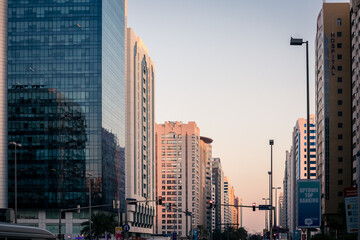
(66, 81)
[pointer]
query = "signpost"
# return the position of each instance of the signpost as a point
(264, 207)
(309, 203)
(195, 234)
(126, 227)
(351, 210)
(118, 231)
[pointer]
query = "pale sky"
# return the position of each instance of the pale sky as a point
(228, 66)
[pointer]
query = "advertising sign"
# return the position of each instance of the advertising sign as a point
(351, 210)
(308, 203)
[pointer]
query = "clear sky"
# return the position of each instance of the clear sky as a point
(228, 66)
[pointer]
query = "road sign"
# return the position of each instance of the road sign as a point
(309, 203)
(264, 207)
(126, 227)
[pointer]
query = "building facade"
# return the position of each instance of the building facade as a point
(333, 107)
(140, 135)
(66, 84)
(3, 105)
(178, 177)
(205, 182)
(218, 182)
(355, 83)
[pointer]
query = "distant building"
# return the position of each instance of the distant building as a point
(281, 211)
(205, 182)
(178, 176)
(140, 135)
(227, 209)
(333, 111)
(218, 182)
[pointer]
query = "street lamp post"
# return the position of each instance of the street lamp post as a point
(299, 42)
(276, 188)
(271, 143)
(89, 175)
(266, 213)
(15, 172)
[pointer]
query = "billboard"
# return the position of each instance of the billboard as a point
(308, 203)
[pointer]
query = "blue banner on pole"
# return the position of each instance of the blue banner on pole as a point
(309, 203)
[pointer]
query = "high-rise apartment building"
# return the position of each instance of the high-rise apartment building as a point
(178, 177)
(218, 182)
(66, 103)
(333, 107)
(290, 187)
(140, 135)
(205, 182)
(3, 106)
(355, 41)
(299, 145)
(227, 208)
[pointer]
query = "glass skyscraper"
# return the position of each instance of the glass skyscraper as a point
(66, 98)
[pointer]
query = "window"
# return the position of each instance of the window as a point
(339, 34)
(340, 114)
(339, 68)
(339, 45)
(339, 56)
(340, 125)
(340, 148)
(340, 136)
(340, 182)
(339, 79)
(339, 90)
(340, 159)
(338, 22)
(340, 170)
(340, 194)
(339, 102)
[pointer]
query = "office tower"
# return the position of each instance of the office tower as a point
(290, 192)
(333, 107)
(3, 106)
(205, 182)
(218, 182)
(355, 34)
(299, 145)
(214, 207)
(177, 147)
(285, 196)
(140, 135)
(66, 84)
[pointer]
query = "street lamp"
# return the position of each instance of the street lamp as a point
(15, 172)
(266, 214)
(271, 143)
(89, 175)
(299, 42)
(276, 188)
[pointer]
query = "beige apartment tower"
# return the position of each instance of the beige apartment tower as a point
(333, 107)
(140, 136)
(178, 177)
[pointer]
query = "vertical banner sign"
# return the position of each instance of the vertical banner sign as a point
(309, 203)
(351, 209)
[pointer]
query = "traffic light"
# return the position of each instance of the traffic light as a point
(211, 202)
(254, 207)
(159, 200)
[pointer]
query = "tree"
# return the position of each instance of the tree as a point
(101, 222)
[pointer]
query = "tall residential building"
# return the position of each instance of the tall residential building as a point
(227, 208)
(178, 176)
(140, 135)
(355, 41)
(296, 168)
(205, 182)
(218, 182)
(66, 103)
(282, 218)
(3, 105)
(333, 107)
(299, 145)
